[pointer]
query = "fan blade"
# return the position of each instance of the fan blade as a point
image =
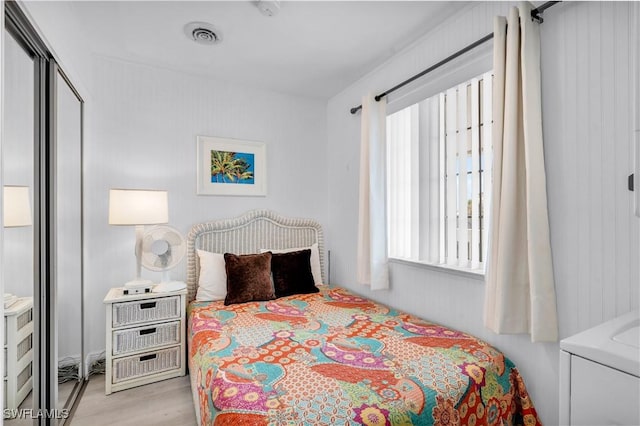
(173, 238)
(163, 260)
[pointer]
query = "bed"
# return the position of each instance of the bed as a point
(333, 357)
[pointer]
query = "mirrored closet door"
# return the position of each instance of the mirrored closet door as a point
(43, 253)
(68, 240)
(18, 175)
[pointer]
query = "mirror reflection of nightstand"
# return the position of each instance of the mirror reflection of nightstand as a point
(18, 351)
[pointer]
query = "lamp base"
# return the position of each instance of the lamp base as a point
(138, 283)
(169, 286)
(138, 287)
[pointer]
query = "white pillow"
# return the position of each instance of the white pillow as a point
(212, 282)
(316, 269)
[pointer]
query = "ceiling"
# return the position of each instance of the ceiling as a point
(310, 48)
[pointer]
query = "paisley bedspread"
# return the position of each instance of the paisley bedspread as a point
(332, 358)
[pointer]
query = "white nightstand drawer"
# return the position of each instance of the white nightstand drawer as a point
(25, 375)
(147, 337)
(146, 364)
(23, 317)
(24, 347)
(139, 311)
(25, 384)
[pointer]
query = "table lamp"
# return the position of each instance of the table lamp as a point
(138, 207)
(16, 206)
(16, 212)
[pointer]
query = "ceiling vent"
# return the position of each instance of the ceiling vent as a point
(203, 33)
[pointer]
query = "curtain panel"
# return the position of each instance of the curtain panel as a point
(520, 290)
(372, 260)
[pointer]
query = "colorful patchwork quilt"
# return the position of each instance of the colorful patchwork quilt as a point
(332, 358)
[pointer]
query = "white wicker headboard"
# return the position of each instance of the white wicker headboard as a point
(255, 230)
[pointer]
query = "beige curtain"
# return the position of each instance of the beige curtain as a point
(372, 267)
(520, 292)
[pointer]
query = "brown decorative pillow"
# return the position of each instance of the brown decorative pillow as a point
(292, 273)
(248, 278)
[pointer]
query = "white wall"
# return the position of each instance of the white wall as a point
(587, 105)
(587, 131)
(144, 126)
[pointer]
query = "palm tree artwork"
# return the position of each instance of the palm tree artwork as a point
(232, 167)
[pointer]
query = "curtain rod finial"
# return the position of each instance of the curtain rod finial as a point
(535, 16)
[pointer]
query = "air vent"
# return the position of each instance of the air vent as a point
(203, 33)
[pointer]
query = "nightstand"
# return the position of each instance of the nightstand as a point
(145, 338)
(18, 352)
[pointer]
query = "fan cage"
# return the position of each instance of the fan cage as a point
(155, 234)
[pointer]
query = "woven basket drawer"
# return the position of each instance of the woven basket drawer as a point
(24, 347)
(24, 319)
(149, 337)
(134, 367)
(24, 376)
(140, 311)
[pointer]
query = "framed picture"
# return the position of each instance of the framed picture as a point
(231, 167)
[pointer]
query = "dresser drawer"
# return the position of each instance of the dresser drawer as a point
(22, 320)
(24, 347)
(141, 311)
(146, 364)
(146, 337)
(24, 378)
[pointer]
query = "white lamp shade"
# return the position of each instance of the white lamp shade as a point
(138, 207)
(16, 206)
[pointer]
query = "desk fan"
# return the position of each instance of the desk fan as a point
(163, 247)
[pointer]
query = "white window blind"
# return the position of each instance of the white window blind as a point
(402, 187)
(438, 169)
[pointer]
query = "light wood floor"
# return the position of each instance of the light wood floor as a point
(166, 403)
(64, 390)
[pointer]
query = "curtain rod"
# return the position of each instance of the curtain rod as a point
(535, 15)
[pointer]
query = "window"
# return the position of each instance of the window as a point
(438, 176)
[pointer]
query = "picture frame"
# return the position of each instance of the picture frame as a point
(231, 167)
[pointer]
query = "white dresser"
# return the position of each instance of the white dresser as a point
(145, 338)
(600, 374)
(18, 352)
